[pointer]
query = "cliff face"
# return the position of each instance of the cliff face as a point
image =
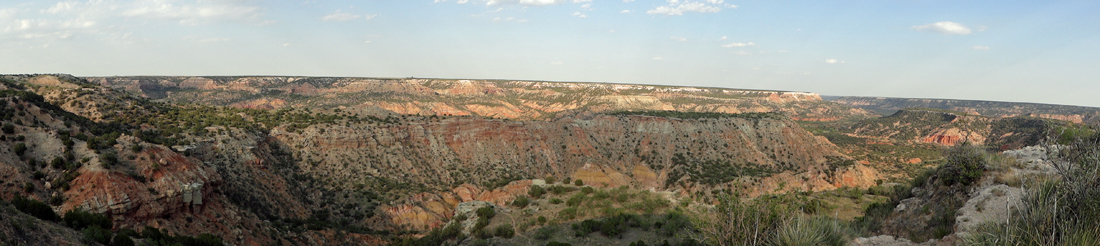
(454, 150)
(474, 154)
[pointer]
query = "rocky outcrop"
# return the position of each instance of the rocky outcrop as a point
(952, 137)
(469, 209)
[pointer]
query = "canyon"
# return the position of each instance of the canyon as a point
(316, 160)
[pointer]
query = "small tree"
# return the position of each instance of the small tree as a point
(521, 201)
(504, 231)
(486, 212)
(20, 148)
(578, 182)
(536, 191)
(734, 222)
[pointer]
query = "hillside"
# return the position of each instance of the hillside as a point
(916, 125)
(295, 176)
(887, 106)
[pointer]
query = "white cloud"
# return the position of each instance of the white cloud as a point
(625, 11)
(194, 11)
(677, 7)
(658, 58)
(366, 42)
(579, 14)
(627, 1)
(732, 45)
(286, 44)
(741, 53)
(681, 39)
(43, 27)
(99, 18)
(723, 38)
(833, 61)
(341, 16)
(944, 27)
(979, 47)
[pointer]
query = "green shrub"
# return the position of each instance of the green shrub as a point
(556, 243)
(504, 231)
(108, 159)
(578, 182)
(96, 234)
(451, 231)
(28, 187)
(575, 200)
(129, 233)
(20, 148)
(818, 231)
(481, 223)
(585, 227)
(736, 222)
(555, 201)
(122, 240)
(205, 239)
(558, 190)
(542, 219)
(80, 219)
(672, 223)
(965, 164)
(567, 214)
(551, 180)
(8, 128)
(600, 195)
(536, 191)
(57, 163)
(486, 212)
(57, 200)
(152, 233)
(612, 226)
(587, 190)
(545, 232)
(521, 201)
(34, 208)
(483, 234)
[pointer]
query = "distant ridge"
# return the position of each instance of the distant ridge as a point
(887, 106)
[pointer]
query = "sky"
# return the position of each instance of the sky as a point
(1021, 51)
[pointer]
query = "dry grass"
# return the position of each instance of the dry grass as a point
(1008, 177)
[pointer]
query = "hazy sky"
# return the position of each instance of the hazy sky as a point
(1028, 51)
